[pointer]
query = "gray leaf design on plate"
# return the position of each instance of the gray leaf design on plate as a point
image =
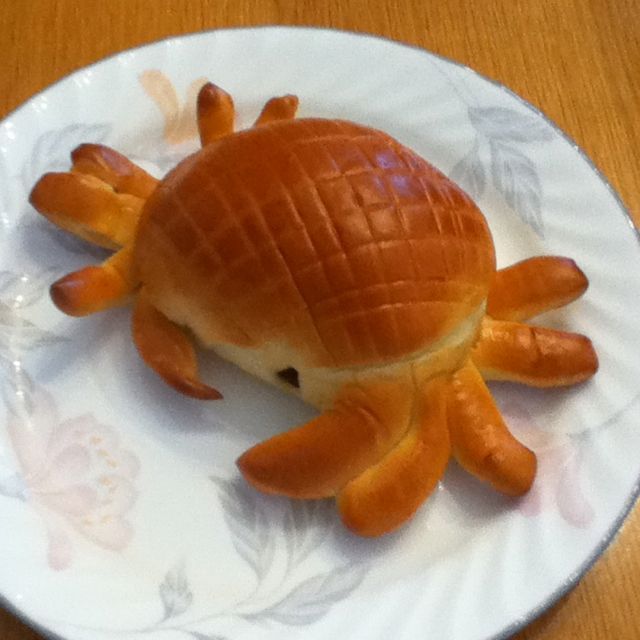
(202, 636)
(18, 334)
(33, 222)
(469, 173)
(248, 523)
(516, 178)
(311, 599)
(175, 592)
(306, 525)
(508, 125)
(18, 392)
(51, 150)
(13, 486)
(21, 290)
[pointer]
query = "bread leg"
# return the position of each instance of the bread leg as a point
(216, 113)
(480, 440)
(534, 286)
(87, 207)
(317, 459)
(95, 288)
(282, 108)
(534, 356)
(113, 168)
(168, 350)
(387, 494)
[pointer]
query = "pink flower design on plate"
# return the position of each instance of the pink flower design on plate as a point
(180, 123)
(558, 481)
(76, 474)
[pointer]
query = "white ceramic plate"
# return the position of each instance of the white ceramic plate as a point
(122, 514)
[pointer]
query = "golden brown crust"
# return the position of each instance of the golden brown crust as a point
(317, 459)
(168, 350)
(533, 286)
(480, 440)
(326, 233)
(95, 288)
(387, 494)
(216, 113)
(113, 168)
(281, 108)
(87, 207)
(535, 356)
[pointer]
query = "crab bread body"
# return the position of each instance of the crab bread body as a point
(327, 258)
(317, 245)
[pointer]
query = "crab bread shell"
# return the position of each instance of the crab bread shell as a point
(314, 244)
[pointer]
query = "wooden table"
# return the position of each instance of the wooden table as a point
(577, 60)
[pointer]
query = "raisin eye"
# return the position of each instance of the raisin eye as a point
(290, 376)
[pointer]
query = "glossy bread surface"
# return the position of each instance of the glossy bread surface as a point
(326, 234)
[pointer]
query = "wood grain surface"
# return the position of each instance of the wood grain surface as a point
(576, 60)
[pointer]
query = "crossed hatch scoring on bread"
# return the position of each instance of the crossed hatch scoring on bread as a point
(326, 258)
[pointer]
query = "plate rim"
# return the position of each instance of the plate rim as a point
(614, 528)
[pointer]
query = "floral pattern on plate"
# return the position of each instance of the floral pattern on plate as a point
(73, 472)
(154, 544)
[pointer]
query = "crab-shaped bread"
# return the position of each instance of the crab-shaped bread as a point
(325, 257)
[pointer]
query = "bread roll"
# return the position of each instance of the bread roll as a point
(326, 258)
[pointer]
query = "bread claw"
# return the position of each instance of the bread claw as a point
(281, 108)
(325, 257)
(318, 458)
(216, 113)
(533, 286)
(87, 207)
(114, 169)
(481, 441)
(168, 350)
(535, 356)
(388, 493)
(96, 288)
